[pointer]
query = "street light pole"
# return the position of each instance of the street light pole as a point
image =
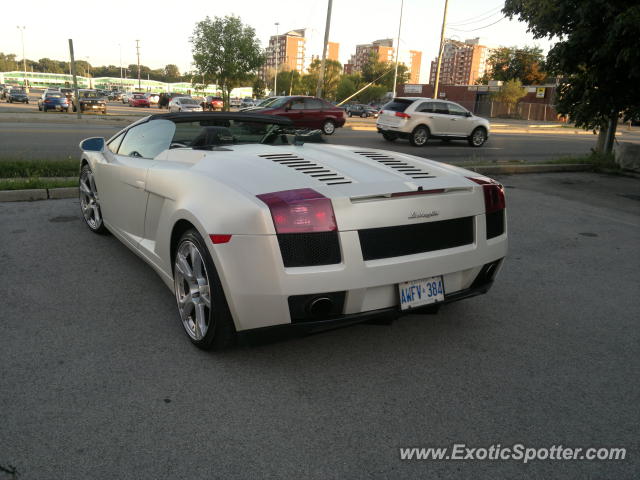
(395, 74)
(444, 22)
(324, 51)
(24, 60)
(275, 77)
(120, 47)
(138, 53)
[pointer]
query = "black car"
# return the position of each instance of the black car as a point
(360, 110)
(18, 96)
(91, 101)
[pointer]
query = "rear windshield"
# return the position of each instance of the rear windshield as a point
(54, 95)
(397, 105)
(188, 101)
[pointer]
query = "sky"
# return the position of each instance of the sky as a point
(101, 33)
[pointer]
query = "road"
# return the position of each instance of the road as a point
(99, 381)
(36, 140)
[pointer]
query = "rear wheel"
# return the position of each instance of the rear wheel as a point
(478, 137)
(201, 302)
(419, 136)
(328, 127)
(349, 114)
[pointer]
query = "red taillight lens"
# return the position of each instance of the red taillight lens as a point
(402, 115)
(493, 193)
(300, 211)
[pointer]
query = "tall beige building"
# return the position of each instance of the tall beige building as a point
(462, 62)
(383, 48)
(333, 51)
(290, 47)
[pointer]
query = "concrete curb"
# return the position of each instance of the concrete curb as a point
(69, 119)
(538, 131)
(72, 192)
(38, 194)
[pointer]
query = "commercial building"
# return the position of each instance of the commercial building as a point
(463, 63)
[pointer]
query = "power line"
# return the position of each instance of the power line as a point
(479, 19)
(470, 19)
(479, 28)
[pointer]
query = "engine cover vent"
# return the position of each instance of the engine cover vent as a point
(320, 173)
(397, 165)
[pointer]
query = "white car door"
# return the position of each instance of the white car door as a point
(122, 179)
(461, 124)
(437, 117)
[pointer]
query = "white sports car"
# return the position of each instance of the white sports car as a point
(251, 227)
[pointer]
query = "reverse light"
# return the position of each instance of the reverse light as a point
(300, 211)
(493, 193)
(403, 115)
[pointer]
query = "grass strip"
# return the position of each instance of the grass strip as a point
(38, 168)
(36, 182)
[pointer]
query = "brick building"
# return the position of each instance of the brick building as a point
(291, 53)
(462, 62)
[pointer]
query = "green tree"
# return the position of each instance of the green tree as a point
(171, 73)
(289, 82)
(225, 51)
(509, 63)
(332, 74)
(8, 62)
(510, 93)
(259, 86)
(382, 72)
(596, 51)
(346, 88)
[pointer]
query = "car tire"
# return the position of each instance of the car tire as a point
(419, 136)
(478, 137)
(389, 137)
(90, 202)
(328, 127)
(205, 314)
(363, 115)
(39, 108)
(349, 114)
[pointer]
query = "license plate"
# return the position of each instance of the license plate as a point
(421, 292)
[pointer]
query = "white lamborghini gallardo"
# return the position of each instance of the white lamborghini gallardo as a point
(253, 225)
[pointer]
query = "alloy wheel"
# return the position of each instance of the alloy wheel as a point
(478, 137)
(89, 201)
(193, 294)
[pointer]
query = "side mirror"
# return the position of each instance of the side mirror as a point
(93, 144)
(469, 114)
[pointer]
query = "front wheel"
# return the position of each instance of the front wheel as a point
(201, 302)
(328, 127)
(89, 201)
(419, 136)
(478, 137)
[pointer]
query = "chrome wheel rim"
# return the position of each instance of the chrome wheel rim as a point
(329, 128)
(478, 137)
(193, 294)
(89, 202)
(420, 136)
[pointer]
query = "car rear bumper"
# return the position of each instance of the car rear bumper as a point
(261, 292)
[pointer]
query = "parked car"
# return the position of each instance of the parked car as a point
(212, 103)
(127, 95)
(420, 119)
(139, 100)
(306, 112)
(153, 98)
(114, 95)
(184, 104)
(17, 96)
(259, 103)
(360, 110)
(91, 100)
(209, 199)
(247, 102)
(53, 101)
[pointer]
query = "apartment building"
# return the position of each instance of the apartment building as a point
(462, 62)
(383, 48)
(290, 48)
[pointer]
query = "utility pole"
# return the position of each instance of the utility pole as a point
(275, 77)
(324, 50)
(395, 74)
(138, 53)
(120, 47)
(444, 22)
(75, 79)
(24, 60)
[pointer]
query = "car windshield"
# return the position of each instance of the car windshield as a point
(267, 101)
(89, 95)
(139, 96)
(209, 134)
(277, 102)
(188, 101)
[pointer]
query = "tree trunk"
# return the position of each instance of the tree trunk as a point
(602, 133)
(611, 133)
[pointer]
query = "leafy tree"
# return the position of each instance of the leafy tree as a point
(382, 72)
(331, 79)
(510, 93)
(8, 62)
(259, 86)
(346, 87)
(597, 51)
(171, 73)
(289, 82)
(225, 51)
(509, 63)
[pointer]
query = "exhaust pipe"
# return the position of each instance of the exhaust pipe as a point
(320, 306)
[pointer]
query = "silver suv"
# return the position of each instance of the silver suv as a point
(418, 119)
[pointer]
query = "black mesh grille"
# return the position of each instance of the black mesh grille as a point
(309, 249)
(495, 224)
(409, 239)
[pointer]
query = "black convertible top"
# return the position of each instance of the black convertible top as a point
(239, 116)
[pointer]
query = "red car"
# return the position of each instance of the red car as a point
(212, 103)
(139, 100)
(306, 112)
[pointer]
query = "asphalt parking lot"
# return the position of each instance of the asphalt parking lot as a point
(99, 381)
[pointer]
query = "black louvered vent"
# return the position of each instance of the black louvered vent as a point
(320, 173)
(398, 165)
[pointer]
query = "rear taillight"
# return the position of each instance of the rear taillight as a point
(300, 211)
(493, 193)
(402, 115)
